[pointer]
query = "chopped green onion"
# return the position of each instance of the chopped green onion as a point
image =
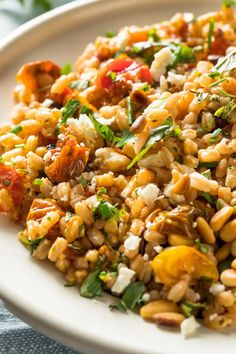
(66, 69)
(202, 248)
(216, 83)
(210, 33)
(215, 135)
(110, 34)
(17, 129)
(112, 75)
(38, 182)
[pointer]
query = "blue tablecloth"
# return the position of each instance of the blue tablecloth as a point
(16, 337)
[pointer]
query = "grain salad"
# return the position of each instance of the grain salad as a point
(122, 170)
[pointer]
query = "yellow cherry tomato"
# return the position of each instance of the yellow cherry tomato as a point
(172, 264)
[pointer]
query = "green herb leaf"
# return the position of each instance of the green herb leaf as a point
(183, 54)
(224, 112)
(228, 63)
(152, 33)
(146, 87)
(66, 69)
(202, 248)
(79, 84)
(215, 135)
(126, 137)
(228, 3)
(83, 181)
(110, 34)
(67, 112)
(190, 308)
(45, 4)
(91, 286)
(226, 94)
(17, 129)
(101, 191)
(207, 174)
(32, 245)
(107, 211)
(131, 297)
(216, 83)
(165, 130)
(208, 164)
(38, 182)
(209, 198)
(68, 216)
(103, 130)
(214, 74)
(112, 75)
(210, 33)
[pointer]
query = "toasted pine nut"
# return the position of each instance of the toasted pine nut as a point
(228, 277)
(158, 306)
(223, 252)
(228, 232)
(233, 248)
(220, 218)
(182, 185)
(205, 231)
(226, 298)
(176, 240)
(233, 264)
(177, 292)
(169, 319)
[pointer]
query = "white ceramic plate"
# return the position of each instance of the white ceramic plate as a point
(34, 291)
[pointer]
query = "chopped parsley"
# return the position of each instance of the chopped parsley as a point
(210, 33)
(228, 63)
(83, 181)
(32, 245)
(152, 34)
(215, 135)
(110, 34)
(190, 308)
(202, 248)
(103, 130)
(66, 69)
(67, 112)
(228, 3)
(112, 75)
(209, 198)
(38, 182)
(91, 286)
(131, 297)
(125, 138)
(165, 130)
(107, 211)
(17, 129)
(224, 112)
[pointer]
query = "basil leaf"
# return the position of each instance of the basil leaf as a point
(91, 286)
(225, 111)
(214, 135)
(165, 130)
(131, 297)
(228, 63)
(210, 33)
(103, 130)
(189, 308)
(66, 69)
(107, 211)
(67, 112)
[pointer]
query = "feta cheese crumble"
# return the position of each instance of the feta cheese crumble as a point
(216, 288)
(162, 59)
(189, 326)
(123, 280)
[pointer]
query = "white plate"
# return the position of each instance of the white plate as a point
(34, 291)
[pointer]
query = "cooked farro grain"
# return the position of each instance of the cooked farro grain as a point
(123, 172)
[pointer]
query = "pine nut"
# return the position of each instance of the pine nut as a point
(177, 292)
(176, 240)
(228, 233)
(158, 306)
(226, 298)
(223, 252)
(182, 185)
(205, 230)
(228, 277)
(233, 264)
(220, 218)
(169, 319)
(225, 194)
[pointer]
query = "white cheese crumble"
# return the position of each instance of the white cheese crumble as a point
(175, 79)
(189, 326)
(216, 288)
(158, 248)
(213, 317)
(122, 39)
(162, 59)
(146, 257)
(132, 243)
(146, 297)
(85, 126)
(123, 280)
(47, 156)
(149, 193)
(47, 103)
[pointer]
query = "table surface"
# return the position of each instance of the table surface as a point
(16, 337)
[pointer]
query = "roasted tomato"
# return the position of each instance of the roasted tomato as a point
(123, 68)
(38, 76)
(39, 208)
(68, 162)
(171, 265)
(13, 182)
